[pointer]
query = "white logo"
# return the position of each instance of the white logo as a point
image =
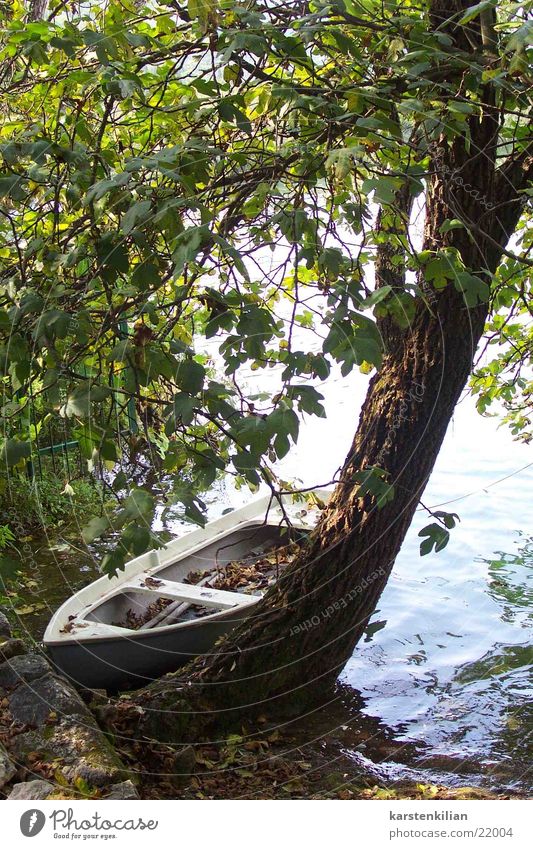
(32, 822)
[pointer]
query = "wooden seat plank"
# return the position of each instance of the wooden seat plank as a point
(191, 593)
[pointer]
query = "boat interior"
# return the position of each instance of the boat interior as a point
(136, 597)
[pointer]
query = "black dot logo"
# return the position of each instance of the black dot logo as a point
(32, 822)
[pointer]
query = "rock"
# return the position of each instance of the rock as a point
(106, 716)
(11, 648)
(93, 697)
(184, 761)
(38, 789)
(78, 747)
(62, 728)
(7, 768)
(124, 790)
(5, 627)
(183, 765)
(45, 698)
(22, 668)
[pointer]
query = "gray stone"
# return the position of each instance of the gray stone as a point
(7, 767)
(61, 729)
(38, 789)
(106, 716)
(79, 749)
(5, 627)
(184, 761)
(45, 698)
(11, 648)
(124, 790)
(27, 667)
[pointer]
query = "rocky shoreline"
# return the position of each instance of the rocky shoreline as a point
(50, 743)
(57, 742)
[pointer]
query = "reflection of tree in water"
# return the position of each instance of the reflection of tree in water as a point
(346, 735)
(504, 672)
(511, 580)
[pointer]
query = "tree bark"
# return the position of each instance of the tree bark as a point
(37, 10)
(302, 633)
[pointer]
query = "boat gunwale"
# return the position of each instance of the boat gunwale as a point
(54, 638)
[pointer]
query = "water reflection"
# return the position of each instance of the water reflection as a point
(451, 686)
(511, 581)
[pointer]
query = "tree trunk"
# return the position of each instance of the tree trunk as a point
(37, 10)
(305, 630)
(302, 633)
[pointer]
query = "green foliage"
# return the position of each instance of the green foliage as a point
(6, 536)
(9, 565)
(373, 482)
(44, 501)
(503, 379)
(210, 171)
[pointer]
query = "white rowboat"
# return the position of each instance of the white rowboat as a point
(86, 643)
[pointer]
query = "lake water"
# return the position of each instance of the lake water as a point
(440, 688)
(445, 668)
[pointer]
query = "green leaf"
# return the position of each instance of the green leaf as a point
(234, 254)
(186, 246)
(194, 514)
(138, 505)
(473, 11)
(140, 211)
(183, 408)
(201, 11)
(436, 537)
(103, 187)
(94, 529)
(146, 275)
(121, 351)
(283, 423)
(376, 297)
(246, 463)
(113, 563)
(384, 188)
(373, 481)
(14, 451)
(190, 376)
(13, 187)
(136, 539)
(112, 256)
(451, 224)
(253, 431)
(449, 519)
(128, 85)
(228, 111)
(439, 270)
(9, 567)
(473, 288)
(308, 400)
(79, 401)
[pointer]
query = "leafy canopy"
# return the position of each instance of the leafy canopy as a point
(189, 190)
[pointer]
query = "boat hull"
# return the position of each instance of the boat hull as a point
(130, 663)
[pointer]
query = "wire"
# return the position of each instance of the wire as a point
(481, 489)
